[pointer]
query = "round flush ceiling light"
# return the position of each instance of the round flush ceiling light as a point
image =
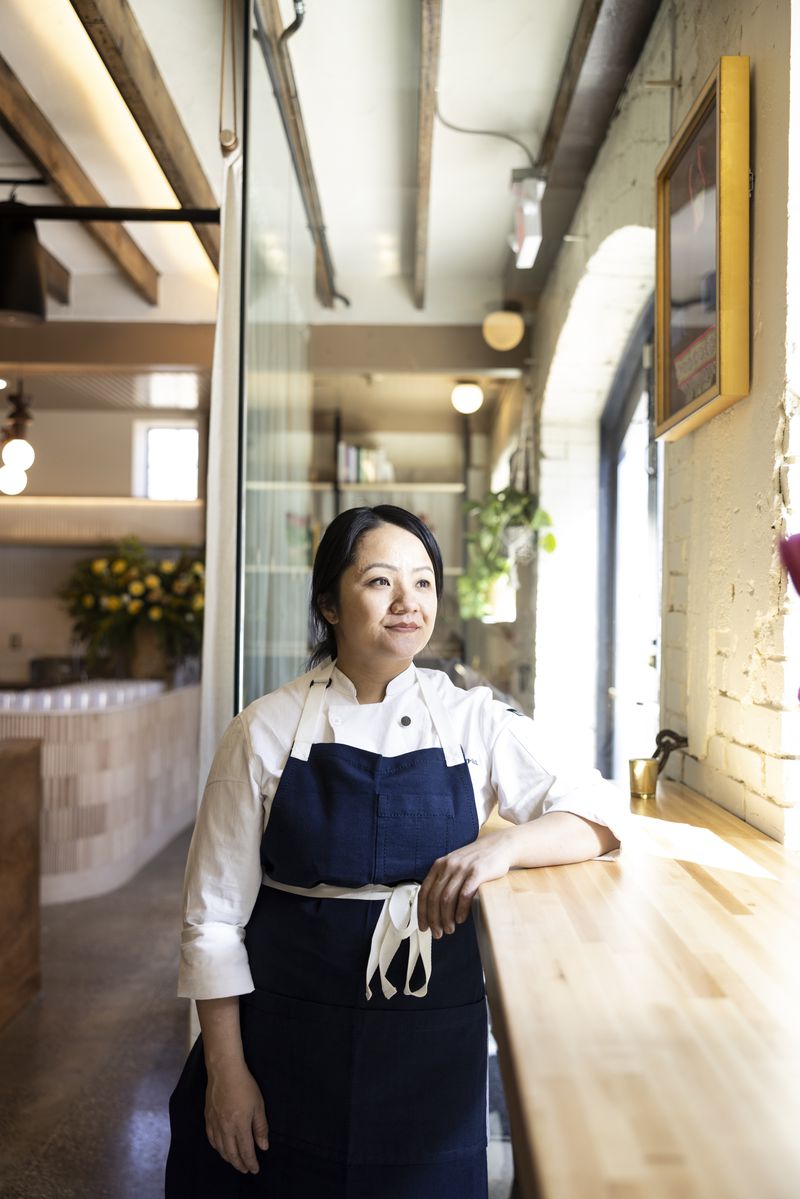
(466, 398)
(505, 328)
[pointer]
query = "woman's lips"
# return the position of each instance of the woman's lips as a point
(403, 628)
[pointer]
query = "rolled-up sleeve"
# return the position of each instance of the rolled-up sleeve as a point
(223, 874)
(526, 789)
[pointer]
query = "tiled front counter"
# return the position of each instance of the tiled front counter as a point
(117, 784)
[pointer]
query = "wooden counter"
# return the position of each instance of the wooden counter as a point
(647, 1013)
(20, 804)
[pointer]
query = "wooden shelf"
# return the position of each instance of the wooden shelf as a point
(440, 488)
(100, 520)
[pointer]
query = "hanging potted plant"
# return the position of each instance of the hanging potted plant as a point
(510, 528)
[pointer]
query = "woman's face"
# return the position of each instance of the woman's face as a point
(386, 607)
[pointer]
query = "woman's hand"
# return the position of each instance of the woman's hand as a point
(452, 882)
(235, 1118)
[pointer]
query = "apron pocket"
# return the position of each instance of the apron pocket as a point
(413, 831)
(300, 1055)
(419, 1084)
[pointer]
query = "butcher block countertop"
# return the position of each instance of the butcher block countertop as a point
(647, 1012)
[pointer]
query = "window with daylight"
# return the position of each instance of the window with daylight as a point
(166, 461)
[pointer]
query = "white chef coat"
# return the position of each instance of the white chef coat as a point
(224, 873)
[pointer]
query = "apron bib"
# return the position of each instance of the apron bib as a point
(387, 1094)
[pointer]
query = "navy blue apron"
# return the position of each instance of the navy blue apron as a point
(366, 1098)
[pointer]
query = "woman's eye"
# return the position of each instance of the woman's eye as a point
(424, 583)
(380, 580)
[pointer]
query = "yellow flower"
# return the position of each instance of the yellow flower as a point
(111, 603)
(87, 601)
(156, 613)
(198, 603)
(180, 586)
(135, 606)
(154, 594)
(198, 568)
(166, 566)
(99, 566)
(136, 588)
(118, 566)
(152, 581)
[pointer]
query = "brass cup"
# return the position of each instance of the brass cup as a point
(643, 772)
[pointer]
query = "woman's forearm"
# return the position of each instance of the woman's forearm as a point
(222, 1035)
(557, 838)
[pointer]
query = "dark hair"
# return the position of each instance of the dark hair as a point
(336, 552)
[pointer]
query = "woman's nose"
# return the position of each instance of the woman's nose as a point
(404, 600)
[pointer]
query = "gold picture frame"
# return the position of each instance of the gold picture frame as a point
(702, 318)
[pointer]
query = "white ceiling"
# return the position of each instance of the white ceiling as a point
(356, 64)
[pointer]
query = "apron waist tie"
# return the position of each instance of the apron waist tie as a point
(397, 923)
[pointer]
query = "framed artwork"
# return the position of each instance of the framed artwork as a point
(702, 334)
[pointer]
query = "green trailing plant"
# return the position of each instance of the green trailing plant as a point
(490, 555)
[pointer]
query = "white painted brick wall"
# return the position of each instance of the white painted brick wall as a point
(730, 637)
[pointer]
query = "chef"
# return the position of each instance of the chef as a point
(328, 935)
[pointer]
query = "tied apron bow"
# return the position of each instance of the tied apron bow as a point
(397, 923)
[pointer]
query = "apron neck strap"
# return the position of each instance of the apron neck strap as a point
(453, 753)
(315, 702)
(312, 708)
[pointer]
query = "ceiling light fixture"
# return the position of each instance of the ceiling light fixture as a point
(466, 398)
(22, 286)
(17, 453)
(504, 328)
(528, 189)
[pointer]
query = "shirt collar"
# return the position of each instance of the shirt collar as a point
(401, 683)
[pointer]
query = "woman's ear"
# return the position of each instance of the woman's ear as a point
(328, 609)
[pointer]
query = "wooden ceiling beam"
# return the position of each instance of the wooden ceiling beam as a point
(119, 41)
(29, 128)
(56, 277)
(430, 38)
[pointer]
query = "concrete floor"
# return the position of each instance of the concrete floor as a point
(86, 1070)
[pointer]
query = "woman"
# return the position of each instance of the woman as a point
(343, 1047)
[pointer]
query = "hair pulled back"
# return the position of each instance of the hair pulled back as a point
(337, 551)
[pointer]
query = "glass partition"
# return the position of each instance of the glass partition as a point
(281, 513)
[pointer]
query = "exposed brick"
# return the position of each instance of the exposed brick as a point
(675, 665)
(678, 592)
(781, 682)
(765, 815)
(675, 720)
(721, 671)
(675, 694)
(680, 486)
(675, 630)
(716, 752)
(791, 828)
(729, 794)
(723, 641)
(678, 522)
(677, 557)
(745, 765)
(730, 718)
(772, 730)
(782, 779)
(696, 774)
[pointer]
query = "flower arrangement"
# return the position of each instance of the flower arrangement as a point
(111, 599)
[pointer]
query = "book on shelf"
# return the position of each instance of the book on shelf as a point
(362, 464)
